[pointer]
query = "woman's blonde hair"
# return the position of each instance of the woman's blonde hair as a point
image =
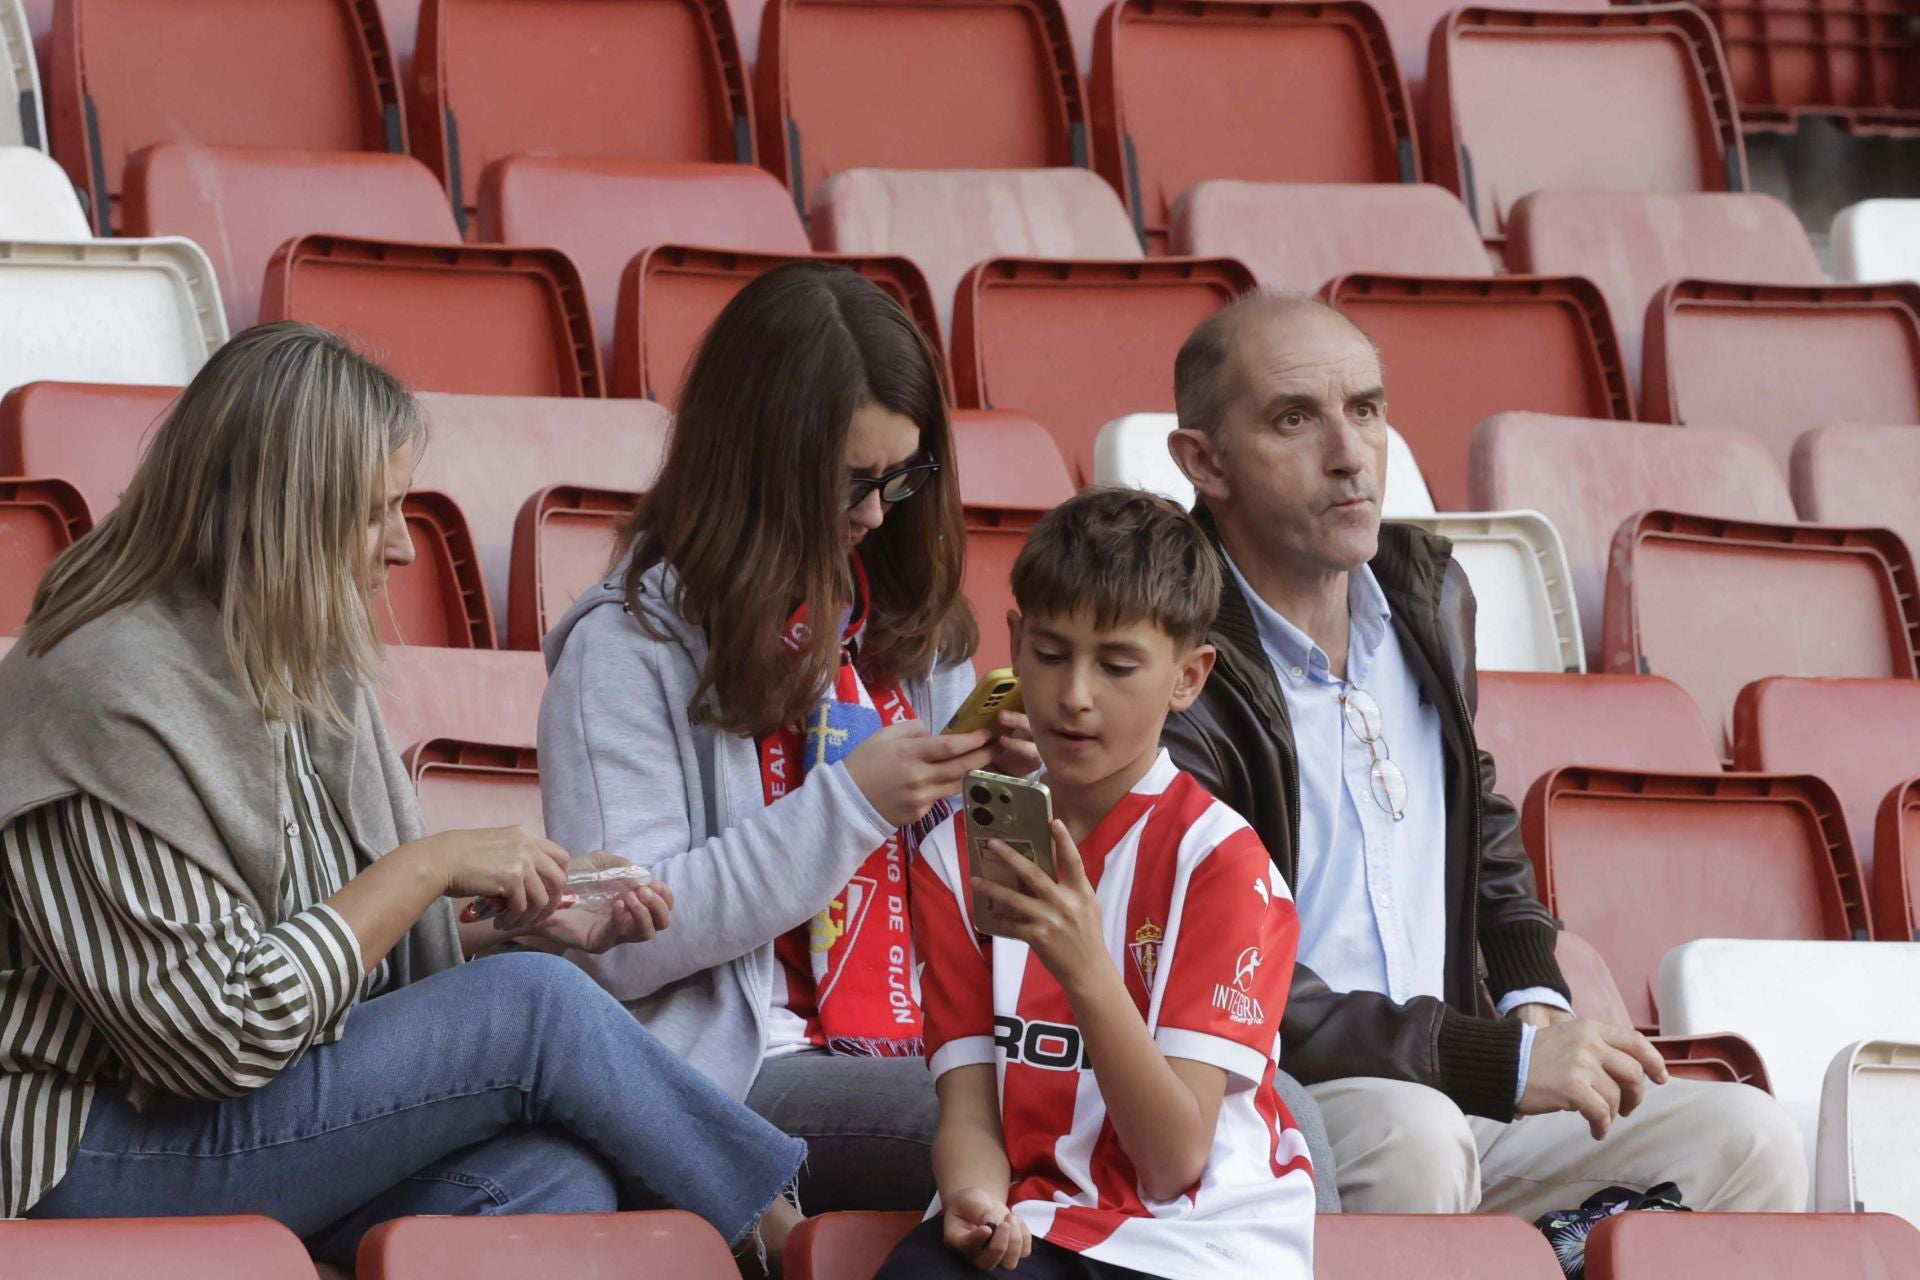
(257, 492)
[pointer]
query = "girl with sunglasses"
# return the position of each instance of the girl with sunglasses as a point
(750, 704)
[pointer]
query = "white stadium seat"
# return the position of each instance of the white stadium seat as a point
(1877, 240)
(36, 200)
(1868, 1158)
(23, 118)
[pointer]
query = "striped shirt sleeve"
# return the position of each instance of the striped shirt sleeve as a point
(178, 975)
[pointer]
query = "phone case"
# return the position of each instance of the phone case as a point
(1016, 811)
(998, 690)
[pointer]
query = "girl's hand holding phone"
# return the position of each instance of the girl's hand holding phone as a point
(904, 771)
(1014, 752)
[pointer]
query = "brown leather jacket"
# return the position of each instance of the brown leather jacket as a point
(1238, 742)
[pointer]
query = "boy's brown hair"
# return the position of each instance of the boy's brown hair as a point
(1125, 555)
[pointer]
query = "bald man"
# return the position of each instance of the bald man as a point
(1428, 1016)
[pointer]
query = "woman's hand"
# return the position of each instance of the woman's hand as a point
(1014, 752)
(527, 871)
(904, 771)
(634, 915)
(981, 1228)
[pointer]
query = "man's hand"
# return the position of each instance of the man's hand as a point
(981, 1228)
(1539, 1015)
(1060, 921)
(1590, 1067)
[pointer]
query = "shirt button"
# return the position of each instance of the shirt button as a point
(1297, 673)
(293, 829)
(1386, 899)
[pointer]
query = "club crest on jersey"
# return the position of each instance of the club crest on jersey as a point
(1145, 950)
(1237, 1000)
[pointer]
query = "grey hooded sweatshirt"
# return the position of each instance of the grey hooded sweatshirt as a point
(623, 768)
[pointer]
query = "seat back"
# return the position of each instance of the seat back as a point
(312, 75)
(1213, 89)
(440, 599)
(38, 520)
(1298, 236)
(1864, 1161)
(946, 221)
(1717, 604)
(36, 200)
(1859, 475)
(464, 785)
(20, 81)
(1532, 723)
(210, 1248)
(1764, 1246)
(1449, 343)
(144, 311)
(845, 1246)
(1525, 617)
(563, 543)
(1857, 62)
(1523, 101)
(1896, 864)
(1876, 240)
(1631, 243)
(1494, 1246)
(1778, 361)
(563, 77)
(672, 1241)
(1638, 863)
(671, 294)
(472, 319)
(890, 84)
(1078, 344)
(1011, 474)
(473, 695)
(89, 434)
(243, 203)
(1588, 476)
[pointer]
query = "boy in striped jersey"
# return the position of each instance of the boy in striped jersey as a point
(1106, 1072)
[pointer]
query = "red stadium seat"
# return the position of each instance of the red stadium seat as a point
(464, 785)
(1532, 723)
(1366, 1246)
(441, 598)
(473, 319)
(1840, 475)
(1896, 867)
(1640, 862)
(602, 212)
(402, 18)
(1011, 474)
(211, 1248)
(308, 74)
(562, 544)
(1531, 101)
(1078, 344)
(1298, 236)
(1631, 244)
(1216, 89)
(670, 295)
(844, 1246)
(1778, 361)
(1855, 62)
(475, 695)
(38, 520)
(1588, 476)
(1449, 348)
(1754, 1246)
(1410, 25)
(242, 203)
(1717, 604)
(671, 1242)
(89, 434)
(896, 84)
(634, 79)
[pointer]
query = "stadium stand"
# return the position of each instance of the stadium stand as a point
(1588, 476)
(673, 1243)
(1778, 361)
(462, 785)
(966, 84)
(20, 81)
(143, 311)
(242, 203)
(1852, 61)
(36, 200)
(1896, 885)
(211, 1248)
(1632, 243)
(89, 434)
(670, 294)
(1773, 1246)
(948, 220)
(441, 598)
(1447, 345)
(1186, 93)
(1298, 236)
(1859, 475)
(1876, 240)
(311, 75)
(563, 543)
(39, 518)
(1078, 344)
(472, 695)
(1532, 723)
(1638, 862)
(475, 319)
(561, 77)
(844, 1246)
(1716, 604)
(1864, 1162)
(601, 212)
(1523, 101)
(1493, 1246)
(1011, 474)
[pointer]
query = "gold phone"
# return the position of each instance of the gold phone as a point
(998, 690)
(1020, 814)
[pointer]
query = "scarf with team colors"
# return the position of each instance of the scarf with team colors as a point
(849, 970)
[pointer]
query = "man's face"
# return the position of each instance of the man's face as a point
(1302, 458)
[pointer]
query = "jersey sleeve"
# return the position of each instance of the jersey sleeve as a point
(956, 976)
(1233, 944)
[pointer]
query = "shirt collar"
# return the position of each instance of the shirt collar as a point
(1293, 650)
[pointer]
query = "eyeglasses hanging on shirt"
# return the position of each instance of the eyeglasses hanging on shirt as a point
(1388, 784)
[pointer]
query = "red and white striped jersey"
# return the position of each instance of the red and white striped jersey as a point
(1203, 931)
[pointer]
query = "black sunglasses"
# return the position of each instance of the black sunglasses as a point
(896, 486)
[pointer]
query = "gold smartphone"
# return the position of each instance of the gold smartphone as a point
(998, 690)
(1020, 814)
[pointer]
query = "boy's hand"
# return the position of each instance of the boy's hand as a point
(1060, 921)
(985, 1231)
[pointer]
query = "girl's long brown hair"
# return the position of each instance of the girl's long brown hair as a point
(749, 507)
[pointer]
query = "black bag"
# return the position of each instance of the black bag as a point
(1567, 1229)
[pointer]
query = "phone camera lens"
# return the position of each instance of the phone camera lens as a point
(979, 795)
(982, 817)
(1003, 688)
(1005, 798)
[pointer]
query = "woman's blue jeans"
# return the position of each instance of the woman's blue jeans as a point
(509, 1085)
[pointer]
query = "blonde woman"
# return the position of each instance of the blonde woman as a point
(230, 974)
